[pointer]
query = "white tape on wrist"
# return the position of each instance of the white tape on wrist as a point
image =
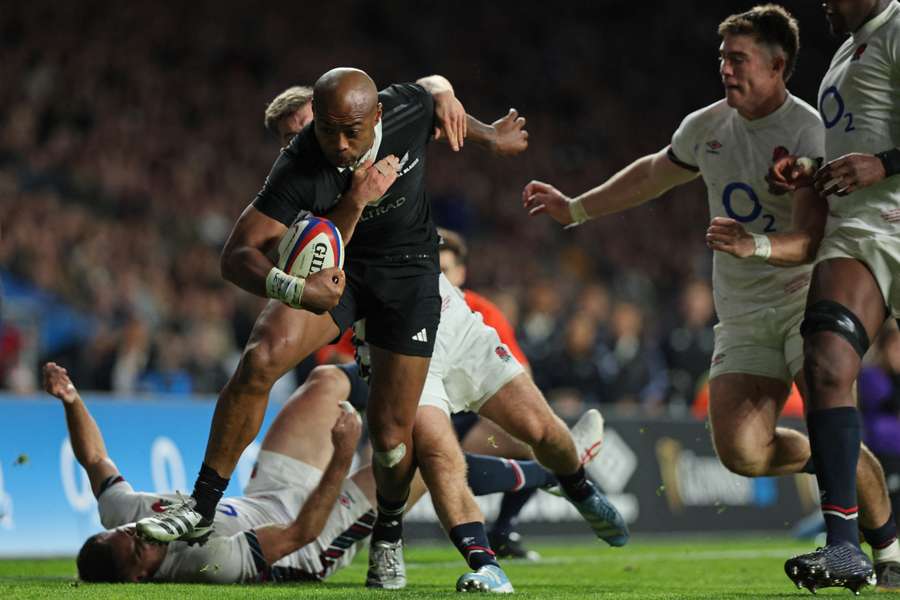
(762, 246)
(577, 212)
(284, 287)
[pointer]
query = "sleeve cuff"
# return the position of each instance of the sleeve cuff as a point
(671, 154)
(109, 482)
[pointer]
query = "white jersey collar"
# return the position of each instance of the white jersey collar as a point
(864, 32)
(371, 154)
(770, 118)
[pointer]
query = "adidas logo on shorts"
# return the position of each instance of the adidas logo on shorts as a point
(421, 336)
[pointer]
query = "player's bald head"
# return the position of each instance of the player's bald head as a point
(346, 113)
(345, 91)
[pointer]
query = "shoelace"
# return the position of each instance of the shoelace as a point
(389, 556)
(182, 502)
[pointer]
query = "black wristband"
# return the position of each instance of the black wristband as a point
(891, 161)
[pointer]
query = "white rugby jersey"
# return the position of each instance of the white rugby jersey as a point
(859, 100)
(733, 155)
(232, 555)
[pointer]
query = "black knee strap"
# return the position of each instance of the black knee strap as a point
(827, 315)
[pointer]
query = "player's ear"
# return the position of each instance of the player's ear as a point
(779, 64)
(378, 112)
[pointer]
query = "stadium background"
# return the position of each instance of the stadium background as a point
(131, 138)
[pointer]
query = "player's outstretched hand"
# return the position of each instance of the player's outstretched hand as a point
(323, 290)
(539, 197)
(57, 383)
(789, 173)
(511, 137)
(451, 120)
(849, 173)
(727, 235)
(346, 431)
(371, 181)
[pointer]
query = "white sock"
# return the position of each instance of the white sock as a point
(890, 553)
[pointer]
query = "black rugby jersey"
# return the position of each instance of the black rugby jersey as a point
(399, 222)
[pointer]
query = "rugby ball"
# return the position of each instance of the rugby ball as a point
(309, 246)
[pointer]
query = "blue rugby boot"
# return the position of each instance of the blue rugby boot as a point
(489, 578)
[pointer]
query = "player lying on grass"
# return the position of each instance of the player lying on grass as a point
(301, 517)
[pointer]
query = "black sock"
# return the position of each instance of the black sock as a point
(510, 507)
(882, 537)
(389, 522)
(471, 541)
(576, 486)
(834, 436)
(208, 490)
(489, 474)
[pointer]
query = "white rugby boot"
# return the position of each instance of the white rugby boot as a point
(387, 569)
(178, 522)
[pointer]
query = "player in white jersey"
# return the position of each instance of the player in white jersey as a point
(301, 517)
(856, 282)
(472, 370)
(757, 236)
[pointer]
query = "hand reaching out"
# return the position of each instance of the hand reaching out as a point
(539, 197)
(57, 383)
(511, 137)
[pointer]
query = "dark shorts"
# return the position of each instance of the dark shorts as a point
(400, 302)
(359, 389)
(463, 422)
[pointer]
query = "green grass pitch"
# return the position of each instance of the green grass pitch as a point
(647, 569)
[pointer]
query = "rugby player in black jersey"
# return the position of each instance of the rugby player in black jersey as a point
(362, 165)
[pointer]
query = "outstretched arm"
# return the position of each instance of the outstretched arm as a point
(85, 436)
(504, 137)
(644, 179)
(277, 541)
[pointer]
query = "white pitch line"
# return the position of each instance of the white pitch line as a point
(618, 556)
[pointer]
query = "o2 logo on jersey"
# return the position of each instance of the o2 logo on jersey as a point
(736, 190)
(839, 110)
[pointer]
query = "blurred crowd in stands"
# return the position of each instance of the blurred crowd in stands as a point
(131, 138)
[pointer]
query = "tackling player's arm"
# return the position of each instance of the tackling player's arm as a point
(504, 137)
(245, 262)
(84, 435)
(369, 183)
(645, 179)
(277, 541)
(795, 247)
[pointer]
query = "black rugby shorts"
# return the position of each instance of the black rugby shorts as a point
(399, 299)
